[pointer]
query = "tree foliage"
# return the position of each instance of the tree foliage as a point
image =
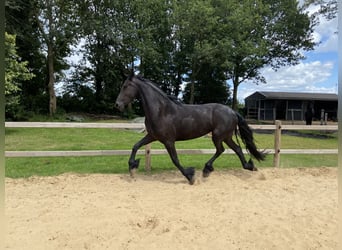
(19, 21)
(204, 45)
(16, 71)
(241, 37)
(107, 49)
(328, 8)
(261, 33)
(56, 28)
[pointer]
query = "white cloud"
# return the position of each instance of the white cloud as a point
(326, 27)
(301, 74)
(326, 34)
(317, 38)
(314, 76)
(304, 77)
(330, 44)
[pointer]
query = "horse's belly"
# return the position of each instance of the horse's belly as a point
(189, 136)
(187, 129)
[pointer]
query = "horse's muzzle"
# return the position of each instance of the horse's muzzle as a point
(120, 106)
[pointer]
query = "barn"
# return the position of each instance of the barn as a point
(263, 105)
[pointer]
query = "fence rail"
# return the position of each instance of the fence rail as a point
(142, 126)
(74, 125)
(277, 128)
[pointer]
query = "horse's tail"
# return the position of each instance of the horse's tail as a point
(246, 135)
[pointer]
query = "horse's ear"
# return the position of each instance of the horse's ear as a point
(125, 73)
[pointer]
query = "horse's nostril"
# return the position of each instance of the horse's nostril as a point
(118, 106)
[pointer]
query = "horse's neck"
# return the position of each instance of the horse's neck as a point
(153, 102)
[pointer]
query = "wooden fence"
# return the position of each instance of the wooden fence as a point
(276, 151)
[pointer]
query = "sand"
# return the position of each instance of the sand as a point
(235, 209)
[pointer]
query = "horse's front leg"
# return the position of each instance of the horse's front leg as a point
(132, 162)
(189, 173)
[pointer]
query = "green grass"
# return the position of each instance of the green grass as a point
(109, 139)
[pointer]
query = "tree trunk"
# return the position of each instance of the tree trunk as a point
(235, 89)
(51, 84)
(192, 92)
(50, 58)
(99, 92)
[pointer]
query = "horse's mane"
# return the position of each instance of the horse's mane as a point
(155, 87)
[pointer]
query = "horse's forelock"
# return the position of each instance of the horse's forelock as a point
(130, 76)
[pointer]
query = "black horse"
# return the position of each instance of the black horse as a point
(168, 120)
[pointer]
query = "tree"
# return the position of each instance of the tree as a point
(57, 26)
(108, 48)
(20, 21)
(261, 33)
(155, 47)
(126, 35)
(194, 25)
(211, 87)
(16, 71)
(328, 8)
(204, 43)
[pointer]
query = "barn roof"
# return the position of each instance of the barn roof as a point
(293, 96)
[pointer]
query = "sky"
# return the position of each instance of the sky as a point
(317, 73)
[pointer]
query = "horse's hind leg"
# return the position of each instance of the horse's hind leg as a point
(208, 168)
(189, 173)
(237, 149)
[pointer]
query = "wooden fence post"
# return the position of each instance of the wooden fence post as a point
(277, 141)
(148, 157)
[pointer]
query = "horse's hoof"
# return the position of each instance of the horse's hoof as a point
(250, 166)
(132, 172)
(133, 164)
(190, 175)
(192, 181)
(207, 171)
(206, 174)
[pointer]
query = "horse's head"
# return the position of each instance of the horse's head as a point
(128, 92)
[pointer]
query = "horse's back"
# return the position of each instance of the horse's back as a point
(197, 120)
(223, 117)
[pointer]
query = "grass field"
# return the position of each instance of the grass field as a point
(109, 139)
